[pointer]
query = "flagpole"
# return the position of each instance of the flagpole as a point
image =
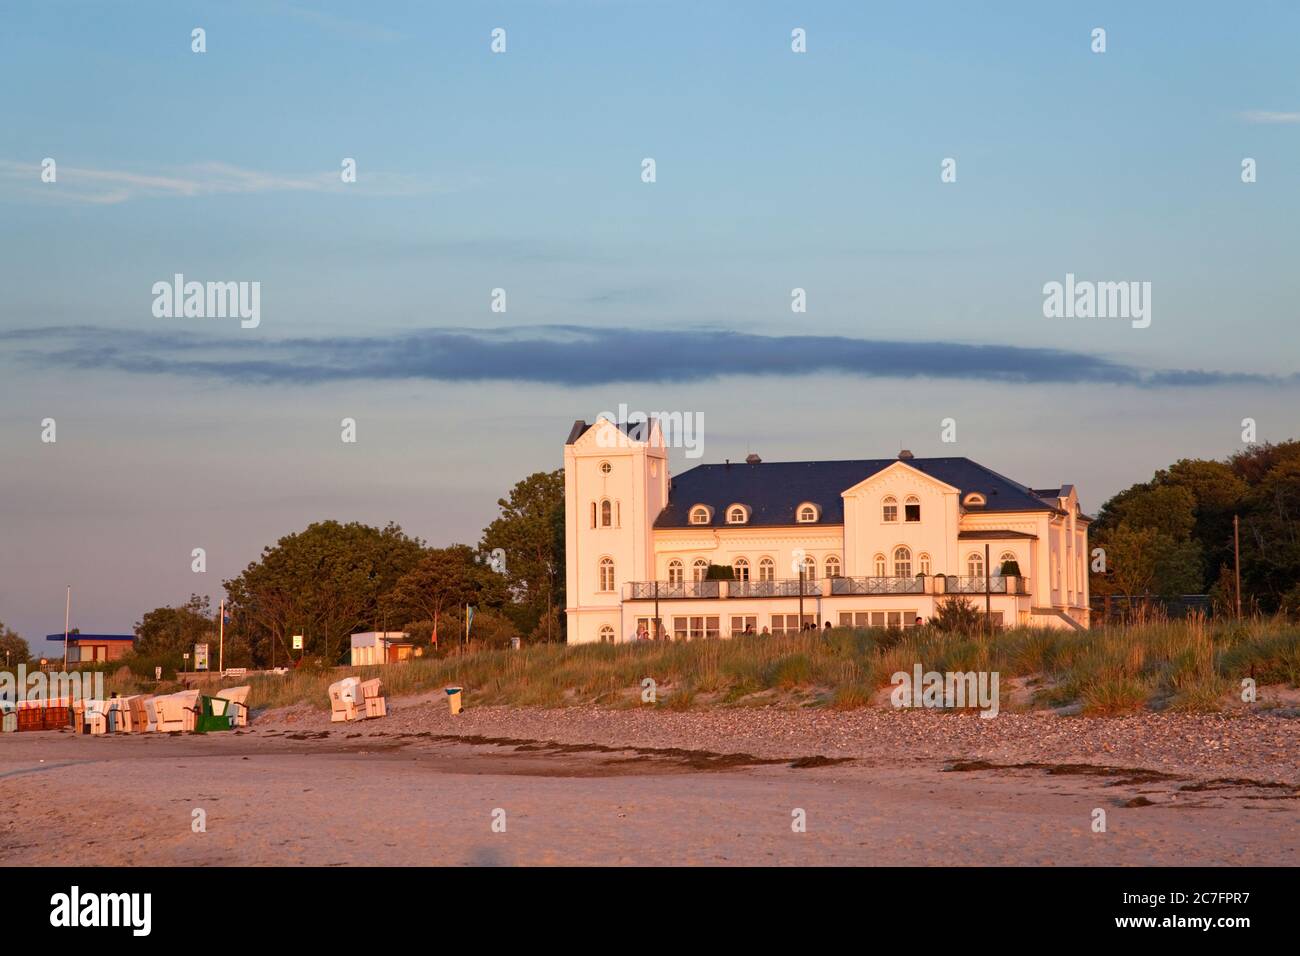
(67, 608)
(221, 646)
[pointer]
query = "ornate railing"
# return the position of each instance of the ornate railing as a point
(783, 588)
(974, 584)
(877, 585)
(668, 590)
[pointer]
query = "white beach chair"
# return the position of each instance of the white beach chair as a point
(238, 708)
(344, 695)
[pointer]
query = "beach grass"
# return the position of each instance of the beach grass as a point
(1193, 665)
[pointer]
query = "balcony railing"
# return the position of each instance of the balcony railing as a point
(877, 585)
(974, 584)
(668, 590)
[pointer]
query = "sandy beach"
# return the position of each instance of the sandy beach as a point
(507, 786)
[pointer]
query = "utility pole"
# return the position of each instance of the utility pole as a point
(801, 571)
(988, 595)
(1236, 560)
(658, 629)
(221, 640)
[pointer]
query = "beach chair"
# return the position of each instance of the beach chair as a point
(238, 697)
(343, 700)
(96, 716)
(151, 714)
(138, 713)
(213, 713)
(8, 718)
(177, 712)
(373, 699)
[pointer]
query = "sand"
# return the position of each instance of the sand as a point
(507, 786)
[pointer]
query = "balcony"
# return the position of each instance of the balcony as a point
(669, 591)
(877, 585)
(974, 584)
(783, 588)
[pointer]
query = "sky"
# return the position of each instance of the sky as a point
(523, 171)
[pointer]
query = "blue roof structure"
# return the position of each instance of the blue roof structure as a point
(91, 637)
(773, 490)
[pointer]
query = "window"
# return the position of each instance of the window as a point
(741, 569)
(593, 514)
(646, 626)
(606, 574)
(832, 567)
(1004, 558)
(806, 513)
(809, 567)
(699, 515)
(880, 565)
(923, 562)
(912, 509)
(675, 570)
(606, 468)
(889, 509)
(789, 623)
(766, 570)
(699, 569)
(974, 500)
(606, 514)
(692, 628)
(744, 623)
(902, 562)
(975, 564)
(737, 514)
(606, 634)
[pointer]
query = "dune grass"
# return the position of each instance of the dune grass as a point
(1184, 665)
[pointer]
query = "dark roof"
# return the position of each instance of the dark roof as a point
(640, 427)
(91, 637)
(992, 534)
(773, 490)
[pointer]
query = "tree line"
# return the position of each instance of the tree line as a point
(1173, 535)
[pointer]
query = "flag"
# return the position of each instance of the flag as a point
(435, 628)
(469, 621)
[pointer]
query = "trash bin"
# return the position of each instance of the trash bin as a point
(453, 699)
(514, 643)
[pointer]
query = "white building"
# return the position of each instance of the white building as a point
(880, 542)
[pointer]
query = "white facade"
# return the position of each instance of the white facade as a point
(887, 544)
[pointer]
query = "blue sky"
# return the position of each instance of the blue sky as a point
(522, 171)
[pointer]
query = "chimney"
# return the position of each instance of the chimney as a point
(728, 464)
(752, 459)
(904, 455)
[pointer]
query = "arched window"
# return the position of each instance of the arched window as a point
(880, 565)
(675, 572)
(832, 567)
(699, 569)
(902, 562)
(606, 574)
(912, 508)
(737, 514)
(806, 513)
(973, 500)
(1004, 558)
(606, 514)
(809, 567)
(699, 515)
(923, 562)
(740, 568)
(767, 570)
(606, 634)
(975, 564)
(889, 509)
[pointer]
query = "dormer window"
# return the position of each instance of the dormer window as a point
(806, 513)
(606, 468)
(889, 509)
(700, 515)
(974, 500)
(737, 514)
(912, 508)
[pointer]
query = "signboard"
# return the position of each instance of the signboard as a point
(297, 642)
(200, 657)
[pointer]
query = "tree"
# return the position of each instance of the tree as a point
(324, 582)
(13, 648)
(443, 580)
(175, 630)
(530, 532)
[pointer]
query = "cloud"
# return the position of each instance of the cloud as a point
(573, 356)
(110, 186)
(1269, 116)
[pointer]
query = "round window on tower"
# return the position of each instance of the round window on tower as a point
(606, 468)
